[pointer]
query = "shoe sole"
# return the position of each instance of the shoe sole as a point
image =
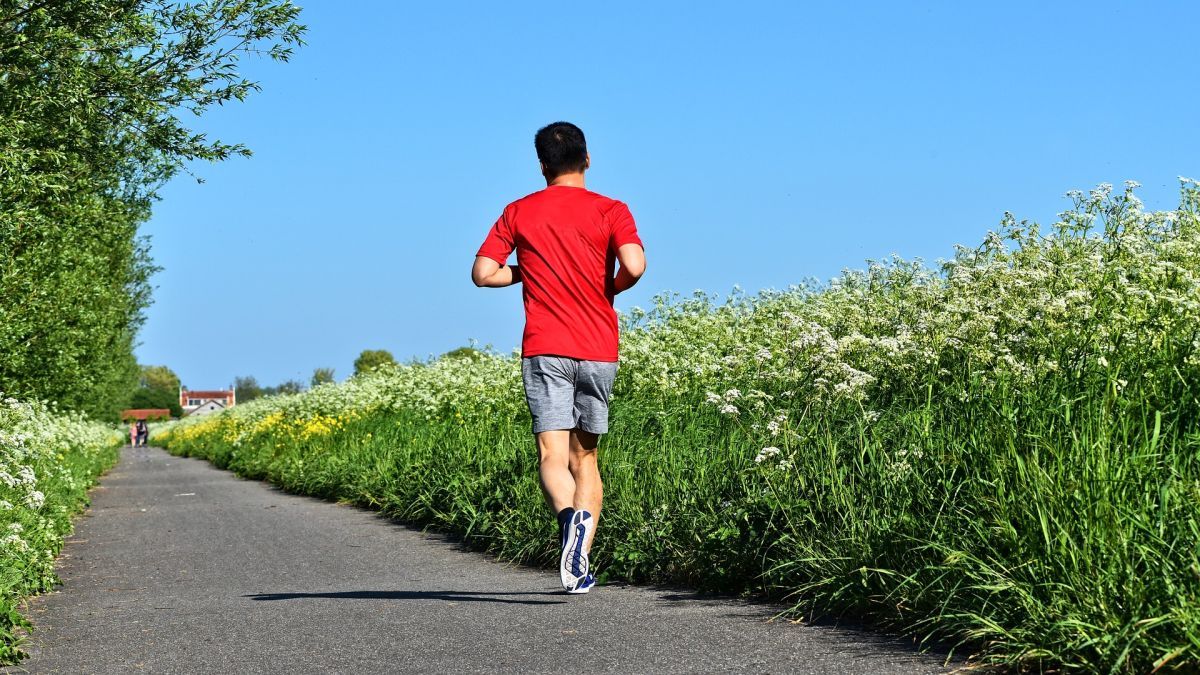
(581, 589)
(575, 538)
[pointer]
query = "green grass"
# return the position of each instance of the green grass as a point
(1002, 456)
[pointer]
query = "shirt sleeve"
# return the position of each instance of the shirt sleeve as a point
(623, 229)
(500, 241)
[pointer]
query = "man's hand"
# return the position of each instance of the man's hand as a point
(633, 266)
(489, 273)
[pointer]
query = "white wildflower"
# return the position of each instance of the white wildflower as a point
(765, 454)
(14, 541)
(35, 499)
(776, 424)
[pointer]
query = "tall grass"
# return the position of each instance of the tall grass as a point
(1001, 452)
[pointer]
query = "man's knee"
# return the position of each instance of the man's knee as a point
(583, 442)
(553, 446)
(583, 451)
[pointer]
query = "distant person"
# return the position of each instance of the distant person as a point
(143, 432)
(568, 241)
(133, 433)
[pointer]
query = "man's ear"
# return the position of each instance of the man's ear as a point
(543, 166)
(587, 161)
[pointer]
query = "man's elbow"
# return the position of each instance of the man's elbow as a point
(635, 267)
(480, 273)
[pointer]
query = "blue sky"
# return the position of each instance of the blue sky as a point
(756, 143)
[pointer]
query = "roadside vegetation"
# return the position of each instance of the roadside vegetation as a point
(98, 99)
(1002, 452)
(48, 460)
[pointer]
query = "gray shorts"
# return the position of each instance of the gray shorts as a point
(565, 393)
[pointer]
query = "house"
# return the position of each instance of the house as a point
(203, 402)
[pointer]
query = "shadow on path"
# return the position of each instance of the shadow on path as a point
(448, 596)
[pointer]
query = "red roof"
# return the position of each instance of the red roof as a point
(146, 413)
(207, 394)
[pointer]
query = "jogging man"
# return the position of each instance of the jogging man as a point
(568, 241)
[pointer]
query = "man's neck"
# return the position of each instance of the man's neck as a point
(567, 180)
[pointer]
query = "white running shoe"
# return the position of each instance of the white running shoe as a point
(585, 585)
(573, 563)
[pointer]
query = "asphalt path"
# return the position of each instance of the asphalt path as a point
(182, 568)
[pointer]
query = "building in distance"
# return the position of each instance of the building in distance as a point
(203, 402)
(145, 414)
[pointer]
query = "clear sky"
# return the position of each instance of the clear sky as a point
(756, 144)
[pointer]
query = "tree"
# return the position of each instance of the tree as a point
(249, 389)
(160, 377)
(463, 353)
(158, 388)
(288, 387)
(145, 397)
(246, 388)
(90, 128)
(370, 359)
(322, 376)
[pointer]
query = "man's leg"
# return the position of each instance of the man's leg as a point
(585, 473)
(554, 467)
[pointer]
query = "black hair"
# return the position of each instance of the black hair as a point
(561, 148)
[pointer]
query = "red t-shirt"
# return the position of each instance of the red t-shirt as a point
(566, 240)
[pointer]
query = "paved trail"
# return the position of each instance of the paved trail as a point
(181, 568)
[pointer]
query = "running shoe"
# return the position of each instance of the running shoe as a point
(564, 524)
(573, 563)
(585, 585)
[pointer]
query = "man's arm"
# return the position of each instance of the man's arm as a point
(489, 273)
(633, 266)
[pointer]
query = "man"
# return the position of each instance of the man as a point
(568, 241)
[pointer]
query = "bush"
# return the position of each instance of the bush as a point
(48, 460)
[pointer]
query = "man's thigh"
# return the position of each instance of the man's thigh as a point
(593, 388)
(550, 392)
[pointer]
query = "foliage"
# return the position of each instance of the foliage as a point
(145, 397)
(158, 387)
(90, 127)
(248, 388)
(285, 387)
(371, 359)
(463, 353)
(321, 376)
(48, 460)
(1002, 453)
(160, 377)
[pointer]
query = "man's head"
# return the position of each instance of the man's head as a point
(561, 149)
